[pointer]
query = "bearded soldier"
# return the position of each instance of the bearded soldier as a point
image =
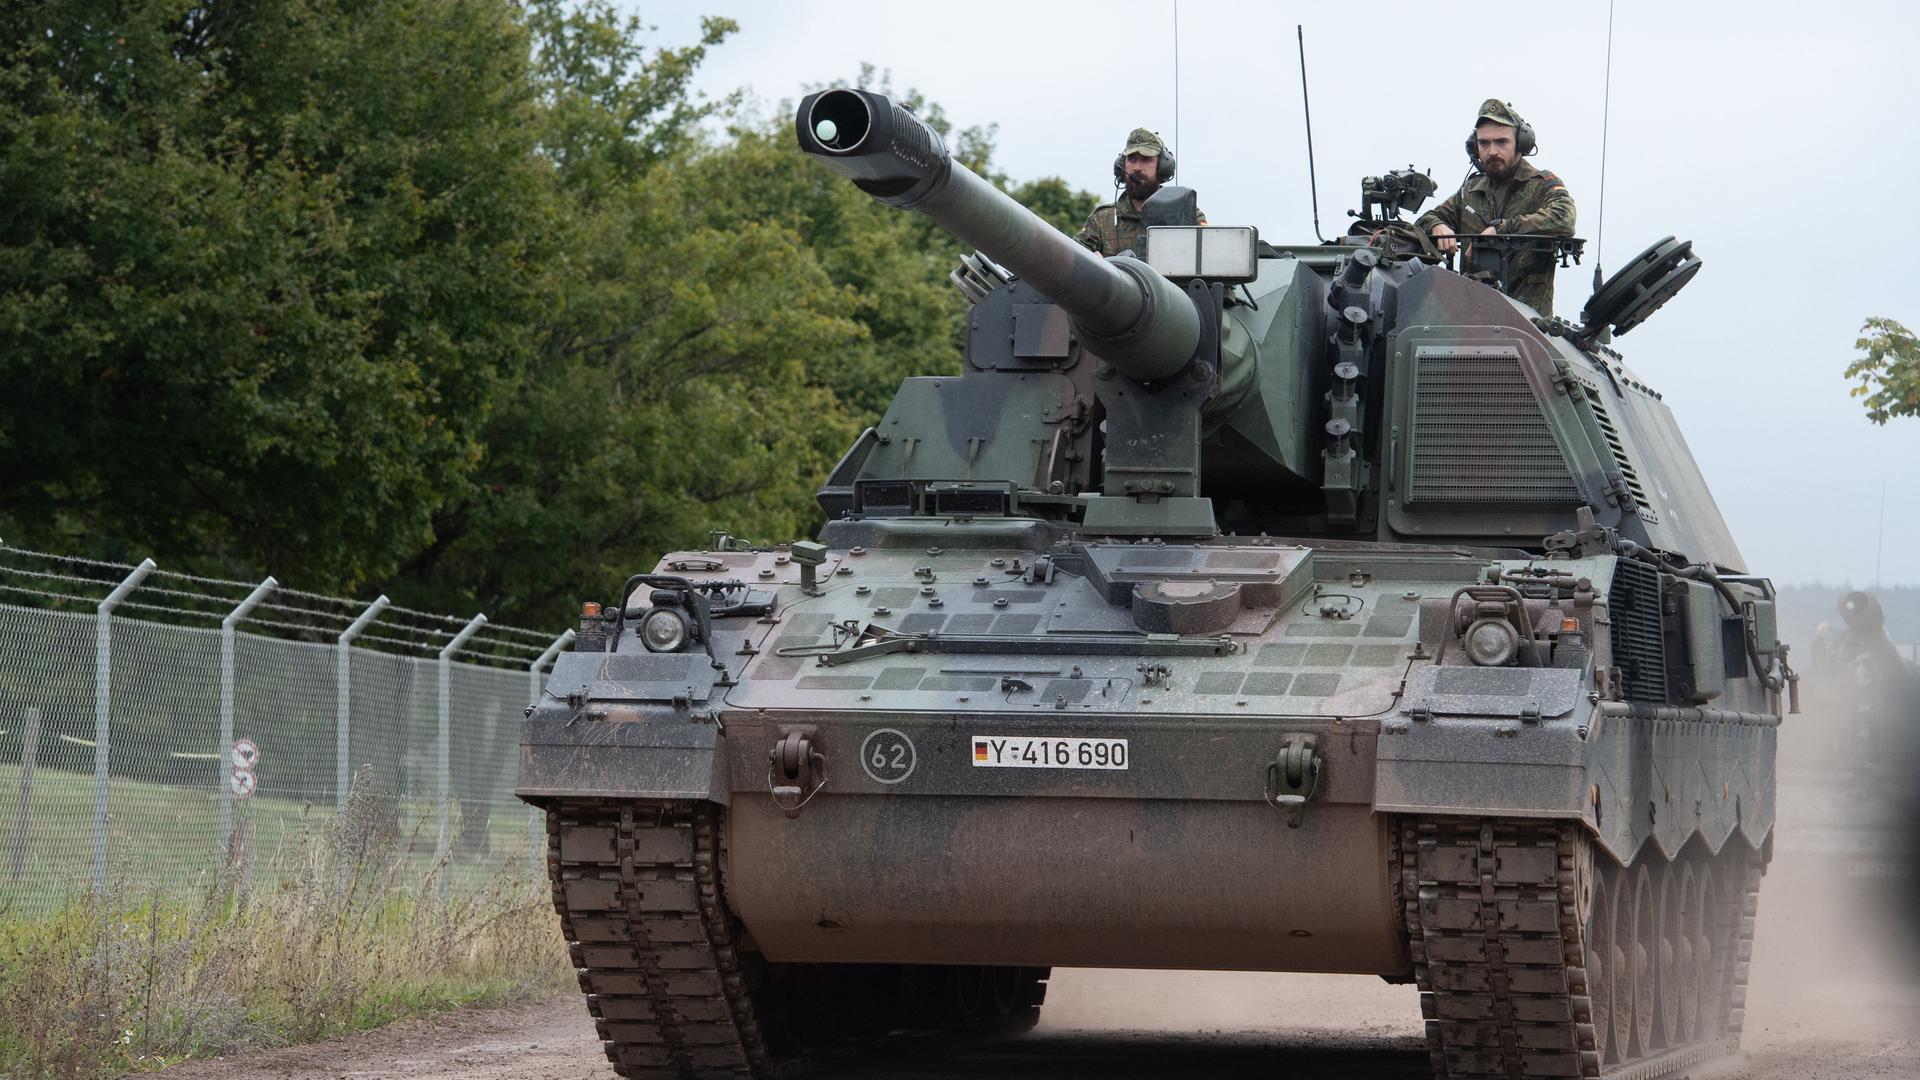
(1506, 195)
(1138, 170)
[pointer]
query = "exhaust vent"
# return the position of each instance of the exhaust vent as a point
(1479, 435)
(1639, 637)
(1621, 463)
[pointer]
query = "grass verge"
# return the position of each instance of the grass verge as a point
(345, 937)
(170, 835)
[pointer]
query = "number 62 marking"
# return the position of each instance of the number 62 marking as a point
(887, 755)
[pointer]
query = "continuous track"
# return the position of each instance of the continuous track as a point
(676, 995)
(1536, 959)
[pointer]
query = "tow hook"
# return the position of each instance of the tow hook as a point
(795, 772)
(1293, 777)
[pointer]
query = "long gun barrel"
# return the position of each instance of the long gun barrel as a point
(1123, 310)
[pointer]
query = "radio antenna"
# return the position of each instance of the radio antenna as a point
(1606, 115)
(1176, 80)
(1313, 183)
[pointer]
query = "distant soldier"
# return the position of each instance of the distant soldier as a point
(1507, 195)
(1140, 169)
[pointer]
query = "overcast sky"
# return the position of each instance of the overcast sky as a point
(1779, 138)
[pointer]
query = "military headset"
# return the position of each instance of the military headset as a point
(1523, 144)
(1162, 170)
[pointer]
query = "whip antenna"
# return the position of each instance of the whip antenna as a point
(1313, 184)
(1606, 114)
(1176, 80)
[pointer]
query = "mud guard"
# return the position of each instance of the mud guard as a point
(1663, 779)
(652, 734)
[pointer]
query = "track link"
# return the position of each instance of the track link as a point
(1497, 915)
(676, 996)
(636, 886)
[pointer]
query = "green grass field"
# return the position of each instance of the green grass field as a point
(168, 839)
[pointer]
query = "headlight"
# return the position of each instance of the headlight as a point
(663, 629)
(1492, 642)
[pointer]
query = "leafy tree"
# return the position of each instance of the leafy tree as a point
(1889, 374)
(261, 269)
(666, 389)
(467, 300)
(1053, 199)
(728, 317)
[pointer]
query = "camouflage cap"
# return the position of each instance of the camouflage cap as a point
(1499, 112)
(1145, 143)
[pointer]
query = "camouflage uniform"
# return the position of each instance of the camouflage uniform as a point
(1529, 200)
(1112, 228)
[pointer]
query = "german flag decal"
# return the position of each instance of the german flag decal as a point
(979, 749)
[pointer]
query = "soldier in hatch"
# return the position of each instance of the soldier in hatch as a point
(1138, 171)
(1506, 195)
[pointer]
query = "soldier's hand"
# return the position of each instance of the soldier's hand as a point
(1488, 231)
(1443, 237)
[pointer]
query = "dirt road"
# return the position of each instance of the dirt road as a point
(1832, 999)
(1115, 1026)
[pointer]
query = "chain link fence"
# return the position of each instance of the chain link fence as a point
(159, 730)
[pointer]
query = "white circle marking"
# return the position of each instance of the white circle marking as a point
(890, 755)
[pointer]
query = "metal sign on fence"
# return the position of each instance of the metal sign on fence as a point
(243, 756)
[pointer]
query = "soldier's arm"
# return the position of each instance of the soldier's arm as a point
(1554, 213)
(1089, 234)
(1447, 213)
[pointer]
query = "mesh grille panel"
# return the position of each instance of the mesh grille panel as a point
(1639, 646)
(1479, 435)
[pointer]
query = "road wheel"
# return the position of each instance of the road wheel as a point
(1646, 945)
(1706, 953)
(1667, 955)
(1601, 967)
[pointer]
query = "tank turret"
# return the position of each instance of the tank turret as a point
(1348, 389)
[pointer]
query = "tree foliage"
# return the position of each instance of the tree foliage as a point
(472, 301)
(1888, 375)
(259, 272)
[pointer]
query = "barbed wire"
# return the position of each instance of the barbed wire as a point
(496, 642)
(48, 594)
(502, 650)
(353, 605)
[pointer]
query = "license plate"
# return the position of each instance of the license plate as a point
(1034, 752)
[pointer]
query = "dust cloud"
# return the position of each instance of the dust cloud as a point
(1837, 938)
(1833, 989)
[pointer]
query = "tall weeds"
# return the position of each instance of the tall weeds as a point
(336, 932)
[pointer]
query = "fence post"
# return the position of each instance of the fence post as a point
(227, 624)
(29, 750)
(343, 698)
(445, 761)
(103, 711)
(536, 851)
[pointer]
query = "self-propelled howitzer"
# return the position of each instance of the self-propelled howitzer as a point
(1245, 607)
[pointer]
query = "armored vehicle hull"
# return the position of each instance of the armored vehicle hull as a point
(1027, 703)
